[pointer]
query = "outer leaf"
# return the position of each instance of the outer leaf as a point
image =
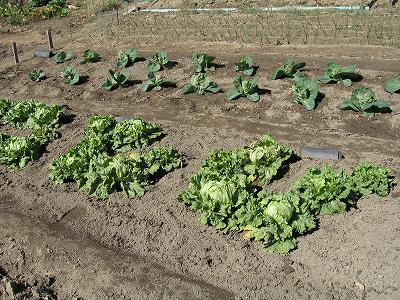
(254, 97)
(187, 89)
(233, 94)
(393, 85)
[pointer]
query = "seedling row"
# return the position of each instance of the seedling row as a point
(305, 90)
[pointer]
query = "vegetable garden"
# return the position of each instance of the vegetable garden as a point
(190, 158)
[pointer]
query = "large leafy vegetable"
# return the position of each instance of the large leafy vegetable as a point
(372, 179)
(156, 82)
(62, 56)
(158, 62)
(36, 75)
(70, 74)
(224, 194)
(289, 69)
(393, 85)
(115, 80)
(93, 165)
(17, 151)
(305, 92)
(40, 118)
(339, 74)
(126, 57)
(90, 56)
(134, 134)
(245, 65)
(244, 88)
(33, 115)
(203, 62)
(200, 84)
(364, 100)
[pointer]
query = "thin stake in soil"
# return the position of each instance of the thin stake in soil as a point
(50, 39)
(15, 52)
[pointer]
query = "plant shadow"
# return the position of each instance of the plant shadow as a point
(354, 77)
(262, 91)
(319, 99)
(171, 64)
(83, 79)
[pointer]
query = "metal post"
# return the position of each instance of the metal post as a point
(15, 52)
(50, 39)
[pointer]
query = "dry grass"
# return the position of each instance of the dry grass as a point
(290, 27)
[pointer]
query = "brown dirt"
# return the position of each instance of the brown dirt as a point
(253, 3)
(154, 247)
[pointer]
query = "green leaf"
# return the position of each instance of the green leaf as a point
(233, 94)
(282, 246)
(393, 85)
(90, 56)
(37, 75)
(62, 56)
(108, 85)
(254, 97)
(187, 89)
(346, 82)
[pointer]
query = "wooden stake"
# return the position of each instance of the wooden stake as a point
(15, 52)
(50, 39)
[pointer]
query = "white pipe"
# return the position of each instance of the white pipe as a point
(268, 9)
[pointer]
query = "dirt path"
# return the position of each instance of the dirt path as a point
(79, 267)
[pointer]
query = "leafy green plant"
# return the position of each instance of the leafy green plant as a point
(126, 57)
(62, 56)
(339, 74)
(289, 69)
(36, 75)
(70, 74)
(55, 8)
(393, 85)
(245, 65)
(42, 119)
(16, 152)
(369, 179)
(200, 84)
(226, 195)
(158, 62)
(115, 80)
(203, 62)
(96, 168)
(156, 82)
(244, 88)
(305, 92)
(364, 100)
(134, 134)
(90, 56)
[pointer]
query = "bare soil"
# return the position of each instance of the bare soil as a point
(54, 237)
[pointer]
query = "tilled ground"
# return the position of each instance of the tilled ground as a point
(154, 247)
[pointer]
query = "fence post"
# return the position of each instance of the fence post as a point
(50, 39)
(15, 52)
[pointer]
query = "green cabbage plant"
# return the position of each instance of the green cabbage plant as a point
(70, 75)
(364, 100)
(115, 80)
(244, 88)
(245, 65)
(288, 70)
(305, 92)
(200, 84)
(339, 74)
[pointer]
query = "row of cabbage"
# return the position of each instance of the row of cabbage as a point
(230, 190)
(229, 193)
(305, 90)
